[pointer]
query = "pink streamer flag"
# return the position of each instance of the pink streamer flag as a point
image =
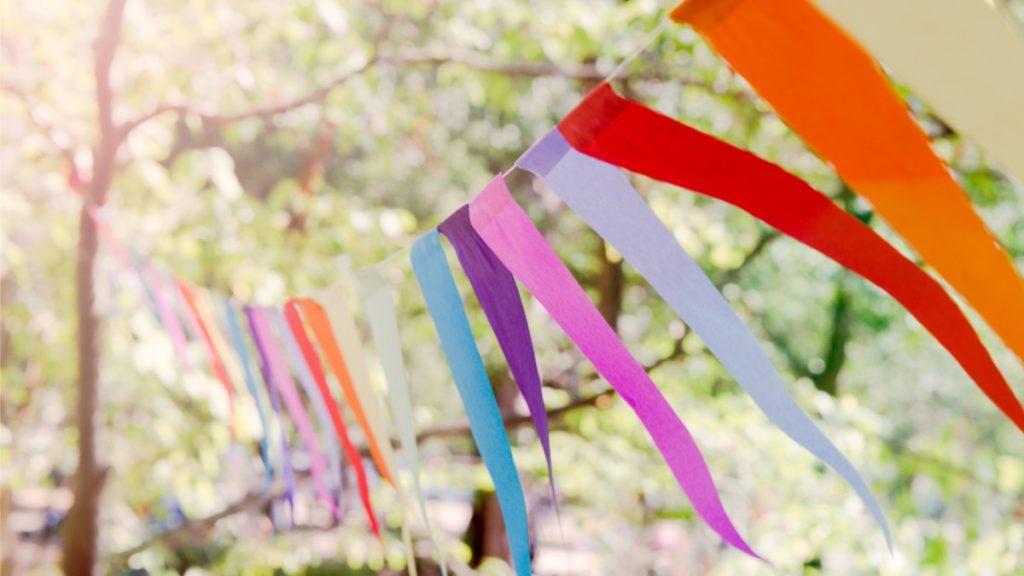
(508, 231)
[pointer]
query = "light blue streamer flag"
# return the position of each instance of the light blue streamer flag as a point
(601, 194)
(449, 316)
(238, 342)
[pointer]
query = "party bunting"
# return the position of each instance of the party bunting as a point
(828, 90)
(602, 195)
(324, 334)
(293, 315)
(191, 298)
(139, 267)
(511, 235)
(181, 307)
(613, 129)
(383, 319)
(242, 350)
(959, 56)
(251, 314)
(211, 321)
(448, 313)
(300, 368)
(168, 317)
(351, 345)
(495, 288)
(281, 379)
(343, 324)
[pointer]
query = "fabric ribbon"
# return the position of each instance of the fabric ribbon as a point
(831, 93)
(449, 316)
(251, 314)
(282, 381)
(380, 312)
(495, 288)
(242, 350)
(323, 332)
(959, 56)
(621, 132)
(602, 195)
(300, 368)
(508, 231)
(293, 315)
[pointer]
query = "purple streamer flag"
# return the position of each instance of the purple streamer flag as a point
(495, 288)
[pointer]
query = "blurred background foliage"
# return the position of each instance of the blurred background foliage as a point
(280, 139)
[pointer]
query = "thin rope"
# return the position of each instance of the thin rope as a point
(651, 39)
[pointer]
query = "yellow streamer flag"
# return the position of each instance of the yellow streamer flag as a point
(959, 56)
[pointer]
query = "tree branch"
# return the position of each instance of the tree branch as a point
(731, 275)
(474, 61)
(266, 111)
(484, 63)
(52, 133)
(248, 502)
(513, 422)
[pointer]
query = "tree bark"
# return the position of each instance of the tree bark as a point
(835, 348)
(81, 534)
(610, 284)
(486, 533)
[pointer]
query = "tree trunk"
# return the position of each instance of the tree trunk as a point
(486, 534)
(610, 284)
(835, 348)
(81, 532)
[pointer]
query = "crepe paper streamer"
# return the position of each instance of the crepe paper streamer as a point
(351, 345)
(139, 269)
(292, 314)
(449, 316)
(602, 195)
(828, 90)
(242, 350)
(621, 132)
(300, 368)
(288, 475)
(323, 331)
(282, 380)
(207, 312)
(343, 324)
(959, 56)
(509, 232)
(496, 289)
(191, 301)
(380, 312)
(118, 249)
(181, 306)
(168, 318)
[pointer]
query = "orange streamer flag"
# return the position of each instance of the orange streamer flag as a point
(192, 301)
(320, 325)
(830, 91)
